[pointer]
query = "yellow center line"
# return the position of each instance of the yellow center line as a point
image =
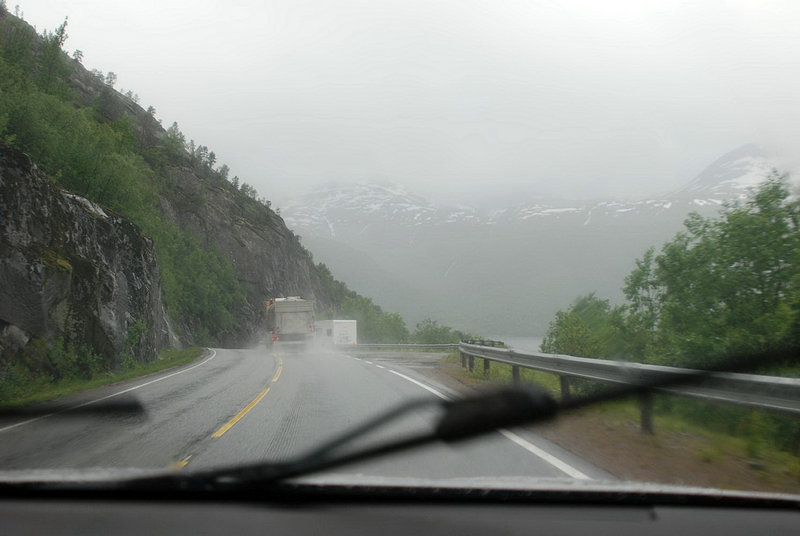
(228, 425)
(278, 373)
(181, 463)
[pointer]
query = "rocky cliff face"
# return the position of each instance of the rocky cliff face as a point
(70, 269)
(266, 255)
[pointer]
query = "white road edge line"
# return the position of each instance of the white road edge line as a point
(511, 436)
(370, 362)
(96, 400)
(429, 389)
(380, 366)
(546, 456)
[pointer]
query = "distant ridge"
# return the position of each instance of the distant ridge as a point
(731, 175)
(356, 207)
(504, 271)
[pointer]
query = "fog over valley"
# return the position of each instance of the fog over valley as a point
(454, 100)
(305, 235)
(482, 163)
(504, 270)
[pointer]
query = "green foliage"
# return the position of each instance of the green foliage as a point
(175, 141)
(47, 363)
(431, 332)
(200, 285)
(591, 327)
(16, 40)
(374, 325)
(501, 374)
(93, 152)
(52, 65)
(722, 286)
(132, 340)
(101, 160)
(21, 383)
(568, 334)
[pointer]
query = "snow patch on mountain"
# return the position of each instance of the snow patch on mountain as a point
(731, 176)
(327, 210)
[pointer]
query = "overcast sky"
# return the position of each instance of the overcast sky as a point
(559, 98)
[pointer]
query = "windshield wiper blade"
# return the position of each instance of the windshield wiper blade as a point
(461, 419)
(109, 407)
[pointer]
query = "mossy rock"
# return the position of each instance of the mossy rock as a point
(53, 260)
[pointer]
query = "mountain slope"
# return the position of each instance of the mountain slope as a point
(70, 269)
(507, 270)
(730, 176)
(222, 252)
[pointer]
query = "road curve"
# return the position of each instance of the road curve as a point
(237, 406)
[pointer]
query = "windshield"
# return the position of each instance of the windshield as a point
(270, 222)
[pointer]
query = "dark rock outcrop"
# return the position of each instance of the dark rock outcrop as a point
(266, 256)
(72, 269)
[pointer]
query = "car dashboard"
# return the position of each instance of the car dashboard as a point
(340, 510)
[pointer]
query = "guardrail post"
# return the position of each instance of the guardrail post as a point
(515, 374)
(471, 362)
(486, 367)
(646, 410)
(565, 394)
(463, 360)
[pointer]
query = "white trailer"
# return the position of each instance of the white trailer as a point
(337, 333)
(290, 319)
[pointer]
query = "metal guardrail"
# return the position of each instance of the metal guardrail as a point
(485, 342)
(781, 395)
(769, 393)
(452, 346)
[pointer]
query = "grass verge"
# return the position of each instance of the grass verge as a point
(682, 451)
(43, 392)
(500, 374)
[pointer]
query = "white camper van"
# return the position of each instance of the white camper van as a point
(336, 333)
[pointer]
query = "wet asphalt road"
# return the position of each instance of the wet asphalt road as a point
(235, 406)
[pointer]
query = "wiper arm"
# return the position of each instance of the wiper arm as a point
(462, 419)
